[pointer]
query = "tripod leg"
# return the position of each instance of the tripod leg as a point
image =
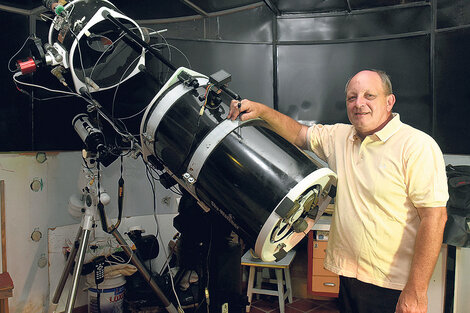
(87, 226)
(66, 272)
(140, 267)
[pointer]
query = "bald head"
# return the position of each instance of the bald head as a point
(386, 82)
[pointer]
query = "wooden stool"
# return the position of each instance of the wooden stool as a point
(279, 267)
(6, 284)
(6, 291)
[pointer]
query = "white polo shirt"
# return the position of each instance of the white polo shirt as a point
(381, 182)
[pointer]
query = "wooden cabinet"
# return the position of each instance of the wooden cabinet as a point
(320, 281)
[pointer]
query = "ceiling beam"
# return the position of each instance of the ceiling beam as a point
(11, 9)
(272, 7)
(193, 17)
(195, 8)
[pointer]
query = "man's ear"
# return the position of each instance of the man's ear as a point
(390, 102)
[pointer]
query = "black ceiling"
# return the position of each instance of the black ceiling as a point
(151, 9)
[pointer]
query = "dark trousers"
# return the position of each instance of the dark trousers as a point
(359, 297)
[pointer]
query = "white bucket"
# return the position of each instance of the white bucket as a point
(111, 292)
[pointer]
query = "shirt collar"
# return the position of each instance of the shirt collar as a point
(385, 133)
(391, 128)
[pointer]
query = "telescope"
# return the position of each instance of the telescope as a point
(268, 190)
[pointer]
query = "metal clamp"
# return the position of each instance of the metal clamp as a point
(188, 178)
(148, 138)
(210, 142)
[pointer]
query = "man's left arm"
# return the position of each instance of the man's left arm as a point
(413, 298)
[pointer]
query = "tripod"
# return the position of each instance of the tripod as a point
(91, 196)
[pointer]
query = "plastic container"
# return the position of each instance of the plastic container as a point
(111, 294)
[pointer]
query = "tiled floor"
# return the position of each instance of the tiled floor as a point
(271, 305)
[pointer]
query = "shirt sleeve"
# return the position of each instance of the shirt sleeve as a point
(317, 139)
(425, 173)
(321, 140)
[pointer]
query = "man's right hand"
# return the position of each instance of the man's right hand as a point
(282, 124)
(245, 110)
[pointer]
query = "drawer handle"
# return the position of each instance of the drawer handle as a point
(329, 284)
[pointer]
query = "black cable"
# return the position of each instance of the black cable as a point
(86, 164)
(154, 170)
(98, 299)
(101, 211)
(206, 94)
(175, 191)
(151, 172)
(40, 99)
(22, 47)
(120, 197)
(100, 205)
(81, 61)
(99, 179)
(152, 184)
(200, 304)
(207, 268)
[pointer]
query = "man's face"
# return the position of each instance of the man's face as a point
(369, 108)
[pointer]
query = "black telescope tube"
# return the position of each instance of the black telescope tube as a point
(231, 93)
(138, 40)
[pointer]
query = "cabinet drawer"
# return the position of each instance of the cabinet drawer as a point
(325, 284)
(319, 249)
(319, 270)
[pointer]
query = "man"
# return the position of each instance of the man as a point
(390, 212)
